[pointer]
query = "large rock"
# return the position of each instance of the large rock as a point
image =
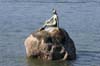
(50, 44)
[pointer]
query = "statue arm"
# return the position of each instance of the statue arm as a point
(51, 21)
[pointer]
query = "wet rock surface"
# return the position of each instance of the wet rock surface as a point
(50, 45)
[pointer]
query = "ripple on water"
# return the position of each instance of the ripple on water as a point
(87, 58)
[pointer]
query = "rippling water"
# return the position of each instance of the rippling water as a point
(18, 18)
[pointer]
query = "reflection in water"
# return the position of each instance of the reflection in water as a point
(38, 62)
(83, 58)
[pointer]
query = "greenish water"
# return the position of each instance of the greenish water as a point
(80, 18)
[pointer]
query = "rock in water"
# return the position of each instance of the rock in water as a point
(50, 44)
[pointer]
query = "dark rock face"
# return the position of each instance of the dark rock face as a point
(50, 45)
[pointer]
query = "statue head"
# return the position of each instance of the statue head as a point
(54, 11)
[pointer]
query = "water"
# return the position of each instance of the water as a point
(18, 18)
